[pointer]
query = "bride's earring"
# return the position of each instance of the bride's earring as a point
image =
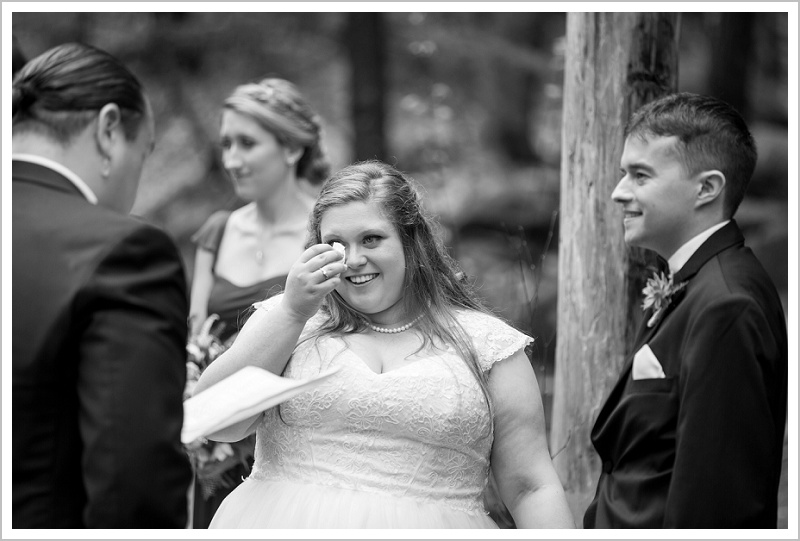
(106, 171)
(292, 157)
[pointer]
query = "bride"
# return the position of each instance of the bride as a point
(431, 389)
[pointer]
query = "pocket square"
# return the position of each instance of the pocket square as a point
(646, 365)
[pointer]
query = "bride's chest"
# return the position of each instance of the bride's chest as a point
(434, 397)
(389, 352)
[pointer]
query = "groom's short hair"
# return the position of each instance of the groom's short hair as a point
(711, 135)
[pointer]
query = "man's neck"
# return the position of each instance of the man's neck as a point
(79, 160)
(677, 260)
(38, 145)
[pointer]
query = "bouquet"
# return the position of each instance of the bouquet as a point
(215, 463)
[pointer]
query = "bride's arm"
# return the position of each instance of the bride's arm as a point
(526, 478)
(269, 337)
(267, 341)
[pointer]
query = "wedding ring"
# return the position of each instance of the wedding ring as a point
(324, 273)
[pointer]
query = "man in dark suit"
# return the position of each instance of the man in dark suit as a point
(99, 307)
(692, 434)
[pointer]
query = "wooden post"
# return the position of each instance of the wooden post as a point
(615, 62)
(366, 45)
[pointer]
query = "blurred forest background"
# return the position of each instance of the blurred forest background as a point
(468, 103)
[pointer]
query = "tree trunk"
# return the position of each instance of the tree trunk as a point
(729, 76)
(365, 39)
(615, 62)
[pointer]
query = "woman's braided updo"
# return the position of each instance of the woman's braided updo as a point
(279, 108)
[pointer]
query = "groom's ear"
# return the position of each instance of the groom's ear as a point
(710, 185)
(109, 120)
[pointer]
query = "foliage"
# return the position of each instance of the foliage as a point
(214, 463)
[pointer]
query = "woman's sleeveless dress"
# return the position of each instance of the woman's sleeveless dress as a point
(233, 304)
(230, 302)
(408, 448)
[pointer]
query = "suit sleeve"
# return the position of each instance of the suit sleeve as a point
(725, 441)
(130, 384)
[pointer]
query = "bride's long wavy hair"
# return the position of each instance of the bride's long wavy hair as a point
(433, 287)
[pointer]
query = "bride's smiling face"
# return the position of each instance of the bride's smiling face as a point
(373, 281)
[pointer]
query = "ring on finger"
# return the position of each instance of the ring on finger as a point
(324, 273)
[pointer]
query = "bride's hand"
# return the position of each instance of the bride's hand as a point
(315, 274)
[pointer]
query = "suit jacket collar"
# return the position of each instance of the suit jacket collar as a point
(727, 236)
(43, 176)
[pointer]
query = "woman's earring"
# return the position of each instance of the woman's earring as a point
(106, 171)
(292, 157)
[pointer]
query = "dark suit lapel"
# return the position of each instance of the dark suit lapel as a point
(616, 391)
(728, 236)
(642, 336)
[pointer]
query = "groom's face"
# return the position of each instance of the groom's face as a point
(656, 194)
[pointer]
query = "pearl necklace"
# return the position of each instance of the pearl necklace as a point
(402, 328)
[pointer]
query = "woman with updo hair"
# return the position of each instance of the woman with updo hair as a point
(271, 149)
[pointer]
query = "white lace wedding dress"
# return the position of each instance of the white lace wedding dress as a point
(408, 448)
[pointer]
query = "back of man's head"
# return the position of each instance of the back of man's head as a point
(59, 92)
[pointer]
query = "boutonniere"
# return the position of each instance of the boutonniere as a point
(658, 294)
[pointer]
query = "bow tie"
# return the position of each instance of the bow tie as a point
(658, 294)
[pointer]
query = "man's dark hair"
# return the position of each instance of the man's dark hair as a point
(711, 135)
(60, 91)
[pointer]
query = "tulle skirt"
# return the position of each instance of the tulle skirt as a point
(285, 504)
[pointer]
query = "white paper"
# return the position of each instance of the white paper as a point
(244, 394)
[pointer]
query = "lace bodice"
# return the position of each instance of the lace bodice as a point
(420, 431)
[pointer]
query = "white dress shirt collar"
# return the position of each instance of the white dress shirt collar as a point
(679, 258)
(61, 170)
